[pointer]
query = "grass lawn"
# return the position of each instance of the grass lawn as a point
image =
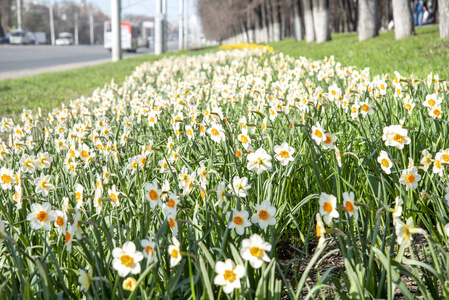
(421, 54)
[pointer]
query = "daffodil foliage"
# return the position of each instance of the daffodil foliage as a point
(237, 174)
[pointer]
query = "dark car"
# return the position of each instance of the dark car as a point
(4, 40)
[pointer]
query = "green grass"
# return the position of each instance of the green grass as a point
(49, 90)
(421, 54)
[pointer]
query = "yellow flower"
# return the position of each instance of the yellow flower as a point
(129, 284)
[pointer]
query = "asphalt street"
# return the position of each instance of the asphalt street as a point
(19, 60)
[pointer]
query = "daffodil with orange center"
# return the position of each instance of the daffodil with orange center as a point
(328, 208)
(264, 215)
(410, 178)
(41, 216)
(351, 208)
(239, 221)
(149, 250)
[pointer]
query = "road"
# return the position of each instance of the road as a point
(20, 60)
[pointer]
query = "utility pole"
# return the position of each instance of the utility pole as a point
(19, 14)
(116, 30)
(91, 21)
(181, 25)
(165, 25)
(52, 24)
(76, 29)
(186, 28)
(159, 29)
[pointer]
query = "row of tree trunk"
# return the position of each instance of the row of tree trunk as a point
(262, 21)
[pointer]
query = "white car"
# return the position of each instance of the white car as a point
(21, 37)
(65, 38)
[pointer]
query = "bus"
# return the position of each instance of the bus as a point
(130, 37)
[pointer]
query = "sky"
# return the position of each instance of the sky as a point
(144, 7)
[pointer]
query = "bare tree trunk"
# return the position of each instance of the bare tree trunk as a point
(308, 20)
(5, 15)
(443, 7)
(258, 27)
(321, 20)
(403, 19)
(275, 21)
(368, 17)
(282, 33)
(249, 26)
(297, 26)
(270, 21)
(265, 24)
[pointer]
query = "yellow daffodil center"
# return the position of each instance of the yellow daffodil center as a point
(113, 197)
(283, 154)
(318, 133)
(244, 139)
(77, 196)
(42, 216)
(84, 154)
(256, 251)
(6, 179)
(436, 112)
(174, 253)
(398, 138)
(229, 275)
(214, 132)
(432, 102)
(127, 260)
(385, 163)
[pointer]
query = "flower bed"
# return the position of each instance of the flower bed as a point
(183, 181)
